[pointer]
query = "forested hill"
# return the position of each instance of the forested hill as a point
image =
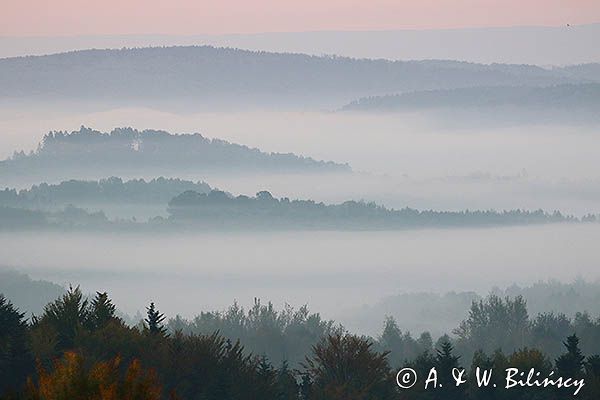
(219, 209)
(205, 75)
(89, 154)
(111, 191)
(566, 98)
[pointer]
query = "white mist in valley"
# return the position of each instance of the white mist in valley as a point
(399, 160)
(343, 271)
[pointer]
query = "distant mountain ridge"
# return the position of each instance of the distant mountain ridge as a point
(538, 45)
(214, 77)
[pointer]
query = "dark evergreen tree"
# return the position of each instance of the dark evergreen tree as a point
(102, 311)
(15, 359)
(592, 378)
(391, 340)
(154, 321)
(286, 384)
(571, 363)
(66, 316)
(267, 377)
(447, 366)
(592, 365)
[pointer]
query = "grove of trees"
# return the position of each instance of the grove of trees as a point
(78, 348)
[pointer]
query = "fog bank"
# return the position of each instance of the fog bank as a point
(344, 270)
(400, 160)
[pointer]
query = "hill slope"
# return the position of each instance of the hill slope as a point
(566, 103)
(208, 76)
(126, 152)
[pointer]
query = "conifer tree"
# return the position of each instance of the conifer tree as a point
(446, 363)
(571, 363)
(15, 359)
(266, 377)
(391, 340)
(102, 311)
(592, 365)
(67, 315)
(154, 320)
(592, 378)
(287, 387)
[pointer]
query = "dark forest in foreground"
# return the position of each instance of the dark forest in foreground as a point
(77, 348)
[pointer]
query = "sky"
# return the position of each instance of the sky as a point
(23, 18)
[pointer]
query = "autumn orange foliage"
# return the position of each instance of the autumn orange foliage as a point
(71, 380)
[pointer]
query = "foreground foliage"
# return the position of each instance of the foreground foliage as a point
(79, 349)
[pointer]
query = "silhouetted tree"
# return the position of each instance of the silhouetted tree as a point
(446, 364)
(267, 377)
(391, 340)
(345, 367)
(592, 378)
(66, 316)
(154, 321)
(286, 385)
(102, 311)
(571, 363)
(15, 358)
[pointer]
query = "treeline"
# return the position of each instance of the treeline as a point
(438, 312)
(70, 217)
(285, 335)
(108, 191)
(88, 153)
(419, 312)
(563, 98)
(493, 323)
(77, 348)
(217, 208)
(220, 210)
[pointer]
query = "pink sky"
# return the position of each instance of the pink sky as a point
(91, 17)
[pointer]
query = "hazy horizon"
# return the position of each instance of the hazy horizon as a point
(553, 45)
